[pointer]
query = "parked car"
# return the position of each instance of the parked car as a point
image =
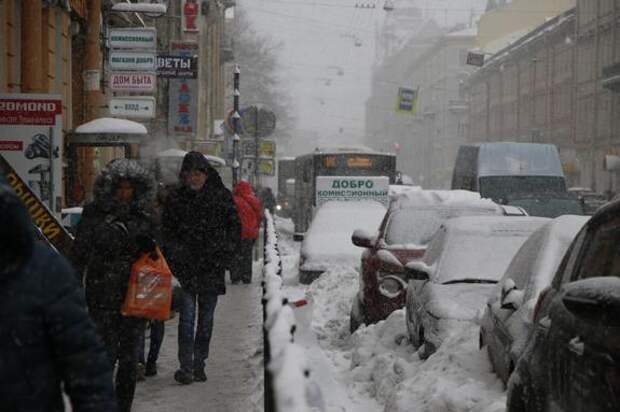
(328, 240)
(406, 229)
(547, 204)
(507, 320)
(451, 283)
(572, 360)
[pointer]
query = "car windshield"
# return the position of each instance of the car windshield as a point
(549, 207)
(414, 226)
(467, 257)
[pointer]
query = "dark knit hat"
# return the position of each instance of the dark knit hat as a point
(195, 161)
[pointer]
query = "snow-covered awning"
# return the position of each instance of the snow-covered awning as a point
(108, 131)
(109, 125)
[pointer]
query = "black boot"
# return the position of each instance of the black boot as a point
(200, 375)
(183, 377)
(150, 369)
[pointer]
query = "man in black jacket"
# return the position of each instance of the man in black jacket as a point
(200, 229)
(46, 337)
(114, 231)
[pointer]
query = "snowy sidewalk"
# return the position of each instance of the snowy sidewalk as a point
(234, 368)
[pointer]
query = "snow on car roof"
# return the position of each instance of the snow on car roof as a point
(493, 225)
(451, 198)
(547, 246)
(328, 240)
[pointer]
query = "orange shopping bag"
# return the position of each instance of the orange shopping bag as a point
(149, 295)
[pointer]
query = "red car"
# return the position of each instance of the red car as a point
(406, 229)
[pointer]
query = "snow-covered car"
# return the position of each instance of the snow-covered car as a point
(328, 240)
(406, 229)
(571, 362)
(507, 320)
(451, 283)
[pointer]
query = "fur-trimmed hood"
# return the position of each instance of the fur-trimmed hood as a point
(119, 169)
(16, 235)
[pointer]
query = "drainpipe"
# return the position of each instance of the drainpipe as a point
(92, 74)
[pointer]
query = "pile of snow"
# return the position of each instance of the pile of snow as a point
(451, 198)
(378, 363)
(328, 241)
(457, 378)
(287, 363)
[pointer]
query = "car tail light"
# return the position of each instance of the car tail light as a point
(539, 304)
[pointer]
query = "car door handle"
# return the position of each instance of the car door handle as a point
(576, 346)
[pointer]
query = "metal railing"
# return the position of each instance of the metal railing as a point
(287, 384)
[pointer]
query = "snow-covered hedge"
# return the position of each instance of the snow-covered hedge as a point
(285, 361)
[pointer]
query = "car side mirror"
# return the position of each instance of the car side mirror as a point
(595, 300)
(512, 297)
(416, 272)
(362, 238)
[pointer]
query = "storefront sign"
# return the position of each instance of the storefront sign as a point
(138, 106)
(352, 188)
(133, 38)
(177, 66)
(266, 167)
(128, 60)
(32, 141)
(133, 81)
(46, 221)
(189, 15)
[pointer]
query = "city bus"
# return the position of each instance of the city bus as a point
(340, 161)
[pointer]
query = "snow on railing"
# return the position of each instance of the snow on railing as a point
(287, 384)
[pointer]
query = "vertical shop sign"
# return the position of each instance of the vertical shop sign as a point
(31, 141)
(183, 96)
(189, 18)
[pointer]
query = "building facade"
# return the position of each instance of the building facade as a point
(557, 85)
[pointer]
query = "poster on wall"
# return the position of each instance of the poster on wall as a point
(31, 142)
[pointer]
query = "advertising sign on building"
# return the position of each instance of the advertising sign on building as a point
(177, 66)
(142, 107)
(46, 221)
(183, 96)
(352, 188)
(189, 15)
(130, 60)
(31, 142)
(132, 81)
(133, 38)
(266, 148)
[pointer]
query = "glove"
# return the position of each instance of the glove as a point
(146, 244)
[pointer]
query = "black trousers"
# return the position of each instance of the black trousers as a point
(241, 267)
(120, 335)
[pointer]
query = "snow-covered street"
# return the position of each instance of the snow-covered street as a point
(376, 369)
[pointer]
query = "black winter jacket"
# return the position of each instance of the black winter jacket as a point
(200, 232)
(46, 335)
(110, 236)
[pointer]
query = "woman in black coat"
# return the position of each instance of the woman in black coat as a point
(46, 336)
(114, 231)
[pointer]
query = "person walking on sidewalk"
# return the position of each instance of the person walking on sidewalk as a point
(200, 230)
(114, 231)
(47, 340)
(250, 213)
